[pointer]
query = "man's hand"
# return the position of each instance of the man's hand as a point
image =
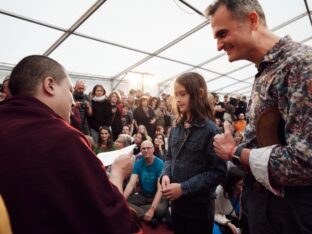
(172, 191)
(165, 181)
(224, 143)
(153, 121)
(149, 214)
(78, 104)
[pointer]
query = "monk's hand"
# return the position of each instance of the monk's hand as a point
(224, 143)
(122, 166)
(172, 191)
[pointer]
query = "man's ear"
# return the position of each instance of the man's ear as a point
(254, 20)
(49, 85)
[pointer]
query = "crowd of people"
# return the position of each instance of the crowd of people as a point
(113, 121)
(203, 161)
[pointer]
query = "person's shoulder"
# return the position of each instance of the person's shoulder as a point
(105, 102)
(159, 161)
(74, 138)
(210, 124)
(299, 53)
(219, 189)
(86, 97)
(139, 162)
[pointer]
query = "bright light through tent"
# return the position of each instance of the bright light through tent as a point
(142, 80)
(134, 80)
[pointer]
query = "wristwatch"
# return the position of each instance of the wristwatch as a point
(237, 155)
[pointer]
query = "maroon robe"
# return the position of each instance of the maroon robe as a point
(50, 180)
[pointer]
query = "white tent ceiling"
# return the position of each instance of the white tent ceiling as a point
(127, 44)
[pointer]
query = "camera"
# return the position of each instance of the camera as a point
(84, 105)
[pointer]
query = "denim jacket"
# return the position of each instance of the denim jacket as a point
(192, 162)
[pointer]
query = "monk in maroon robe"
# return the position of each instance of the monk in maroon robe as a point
(50, 180)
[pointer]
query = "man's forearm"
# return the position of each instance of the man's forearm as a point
(156, 199)
(245, 158)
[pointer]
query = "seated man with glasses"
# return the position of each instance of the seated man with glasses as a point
(148, 202)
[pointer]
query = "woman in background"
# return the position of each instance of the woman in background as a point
(122, 141)
(116, 123)
(228, 203)
(159, 146)
(101, 112)
(106, 142)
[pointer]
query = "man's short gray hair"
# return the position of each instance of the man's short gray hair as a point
(238, 8)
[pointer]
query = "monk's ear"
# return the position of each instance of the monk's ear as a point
(48, 85)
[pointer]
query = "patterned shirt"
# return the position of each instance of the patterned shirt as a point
(284, 79)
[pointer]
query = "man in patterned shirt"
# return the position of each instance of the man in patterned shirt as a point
(278, 184)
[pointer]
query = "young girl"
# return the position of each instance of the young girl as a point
(192, 169)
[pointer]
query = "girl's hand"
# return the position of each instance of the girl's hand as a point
(172, 191)
(233, 228)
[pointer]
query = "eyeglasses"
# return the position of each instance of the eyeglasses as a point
(146, 148)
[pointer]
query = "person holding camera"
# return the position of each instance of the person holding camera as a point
(82, 104)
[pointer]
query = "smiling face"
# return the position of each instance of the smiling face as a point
(64, 98)
(142, 129)
(147, 149)
(119, 144)
(138, 139)
(232, 35)
(104, 135)
(125, 130)
(159, 140)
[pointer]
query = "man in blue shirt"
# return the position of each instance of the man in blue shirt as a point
(148, 202)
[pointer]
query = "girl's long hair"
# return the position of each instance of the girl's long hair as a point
(98, 86)
(163, 147)
(195, 86)
(234, 175)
